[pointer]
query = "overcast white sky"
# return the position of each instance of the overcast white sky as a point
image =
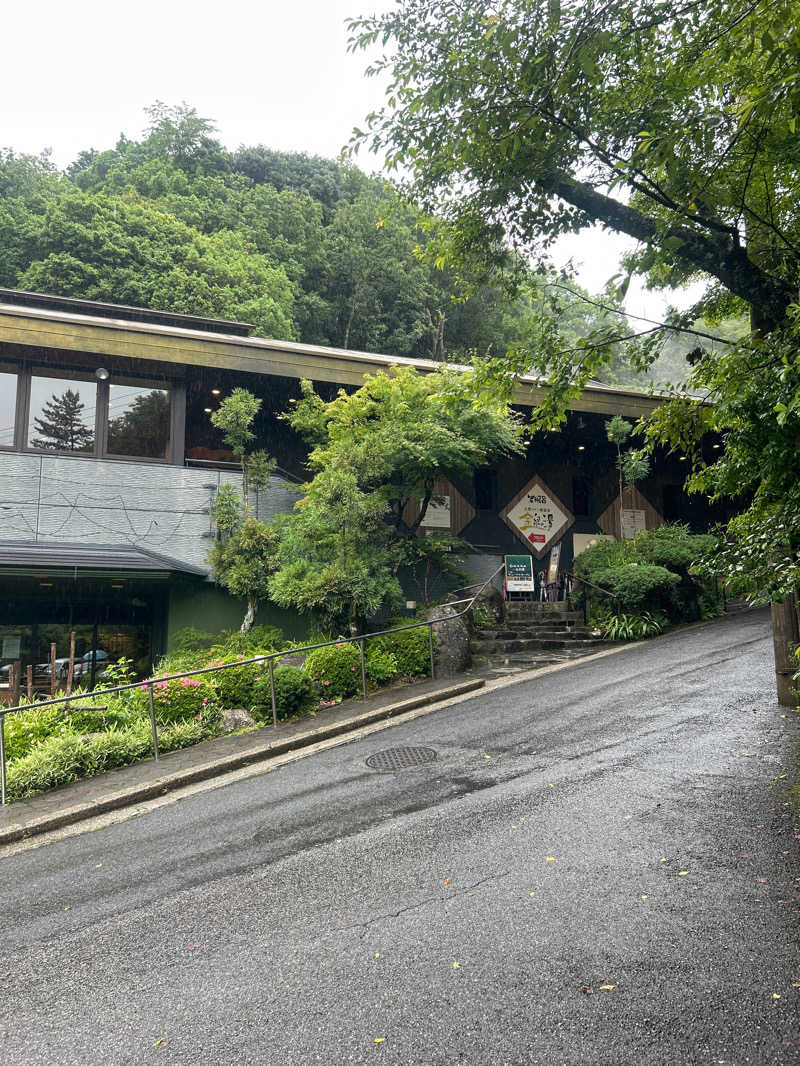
(75, 76)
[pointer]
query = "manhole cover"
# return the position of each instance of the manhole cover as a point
(400, 758)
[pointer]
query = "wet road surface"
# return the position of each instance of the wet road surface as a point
(598, 869)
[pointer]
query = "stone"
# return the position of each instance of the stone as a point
(452, 639)
(237, 718)
(491, 599)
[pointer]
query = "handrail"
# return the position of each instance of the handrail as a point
(606, 592)
(264, 660)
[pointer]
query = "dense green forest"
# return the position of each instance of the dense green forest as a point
(304, 248)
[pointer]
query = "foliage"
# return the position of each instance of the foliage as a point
(519, 120)
(257, 641)
(62, 424)
(636, 584)
(190, 639)
(381, 666)
(482, 617)
(59, 759)
(410, 647)
(295, 692)
(179, 698)
(336, 670)
(236, 688)
(621, 626)
(377, 453)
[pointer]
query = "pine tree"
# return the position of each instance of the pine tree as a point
(61, 425)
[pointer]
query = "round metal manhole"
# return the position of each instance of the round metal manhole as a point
(400, 759)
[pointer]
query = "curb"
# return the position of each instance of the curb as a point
(190, 775)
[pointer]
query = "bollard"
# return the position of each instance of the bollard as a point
(363, 669)
(272, 693)
(153, 720)
(2, 760)
(430, 645)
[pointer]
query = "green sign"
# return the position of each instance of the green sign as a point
(519, 573)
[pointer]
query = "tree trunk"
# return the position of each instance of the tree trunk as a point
(249, 617)
(785, 638)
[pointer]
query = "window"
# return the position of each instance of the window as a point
(72, 412)
(138, 420)
(63, 412)
(8, 406)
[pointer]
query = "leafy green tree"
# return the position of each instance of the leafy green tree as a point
(675, 124)
(143, 428)
(62, 424)
(245, 552)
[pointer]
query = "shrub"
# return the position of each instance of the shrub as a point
(236, 687)
(259, 641)
(410, 649)
(381, 666)
(672, 546)
(178, 699)
(337, 670)
(25, 729)
(295, 692)
(635, 584)
(190, 639)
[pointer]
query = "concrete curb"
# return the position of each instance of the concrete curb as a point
(189, 775)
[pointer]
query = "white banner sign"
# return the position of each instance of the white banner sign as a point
(633, 522)
(538, 517)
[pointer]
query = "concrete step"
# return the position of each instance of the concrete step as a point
(542, 612)
(493, 647)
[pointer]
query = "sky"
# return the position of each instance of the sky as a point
(75, 76)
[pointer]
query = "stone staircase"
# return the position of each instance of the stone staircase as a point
(535, 634)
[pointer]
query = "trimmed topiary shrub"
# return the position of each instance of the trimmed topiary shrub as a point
(637, 584)
(337, 670)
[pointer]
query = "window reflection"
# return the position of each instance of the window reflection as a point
(62, 413)
(8, 407)
(138, 421)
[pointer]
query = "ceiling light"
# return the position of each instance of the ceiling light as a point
(716, 445)
(117, 586)
(45, 584)
(102, 374)
(207, 410)
(581, 448)
(682, 458)
(215, 392)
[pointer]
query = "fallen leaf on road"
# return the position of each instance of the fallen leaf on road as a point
(682, 873)
(795, 984)
(587, 990)
(550, 858)
(447, 880)
(456, 965)
(377, 954)
(379, 1039)
(644, 897)
(776, 995)
(628, 817)
(761, 880)
(161, 1042)
(68, 908)
(608, 988)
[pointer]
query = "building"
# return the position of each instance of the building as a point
(109, 464)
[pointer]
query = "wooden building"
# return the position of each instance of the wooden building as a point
(109, 464)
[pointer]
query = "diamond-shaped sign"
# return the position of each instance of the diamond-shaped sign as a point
(537, 517)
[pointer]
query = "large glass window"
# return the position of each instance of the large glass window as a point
(138, 420)
(8, 406)
(62, 412)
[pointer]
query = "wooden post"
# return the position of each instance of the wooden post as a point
(785, 638)
(71, 665)
(29, 679)
(17, 679)
(52, 669)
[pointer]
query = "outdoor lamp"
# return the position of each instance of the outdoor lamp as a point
(102, 374)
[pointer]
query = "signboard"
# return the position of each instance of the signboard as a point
(633, 522)
(552, 569)
(437, 515)
(537, 517)
(519, 573)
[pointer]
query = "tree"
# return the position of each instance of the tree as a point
(62, 425)
(244, 555)
(673, 123)
(373, 452)
(631, 467)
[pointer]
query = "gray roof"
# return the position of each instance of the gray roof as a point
(62, 555)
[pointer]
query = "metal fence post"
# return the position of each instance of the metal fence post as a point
(430, 645)
(272, 693)
(2, 760)
(153, 720)
(363, 669)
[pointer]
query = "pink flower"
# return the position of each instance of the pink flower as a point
(326, 682)
(352, 669)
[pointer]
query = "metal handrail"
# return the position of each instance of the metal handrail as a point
(267, 660)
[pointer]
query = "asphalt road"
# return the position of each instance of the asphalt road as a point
(599, 869)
